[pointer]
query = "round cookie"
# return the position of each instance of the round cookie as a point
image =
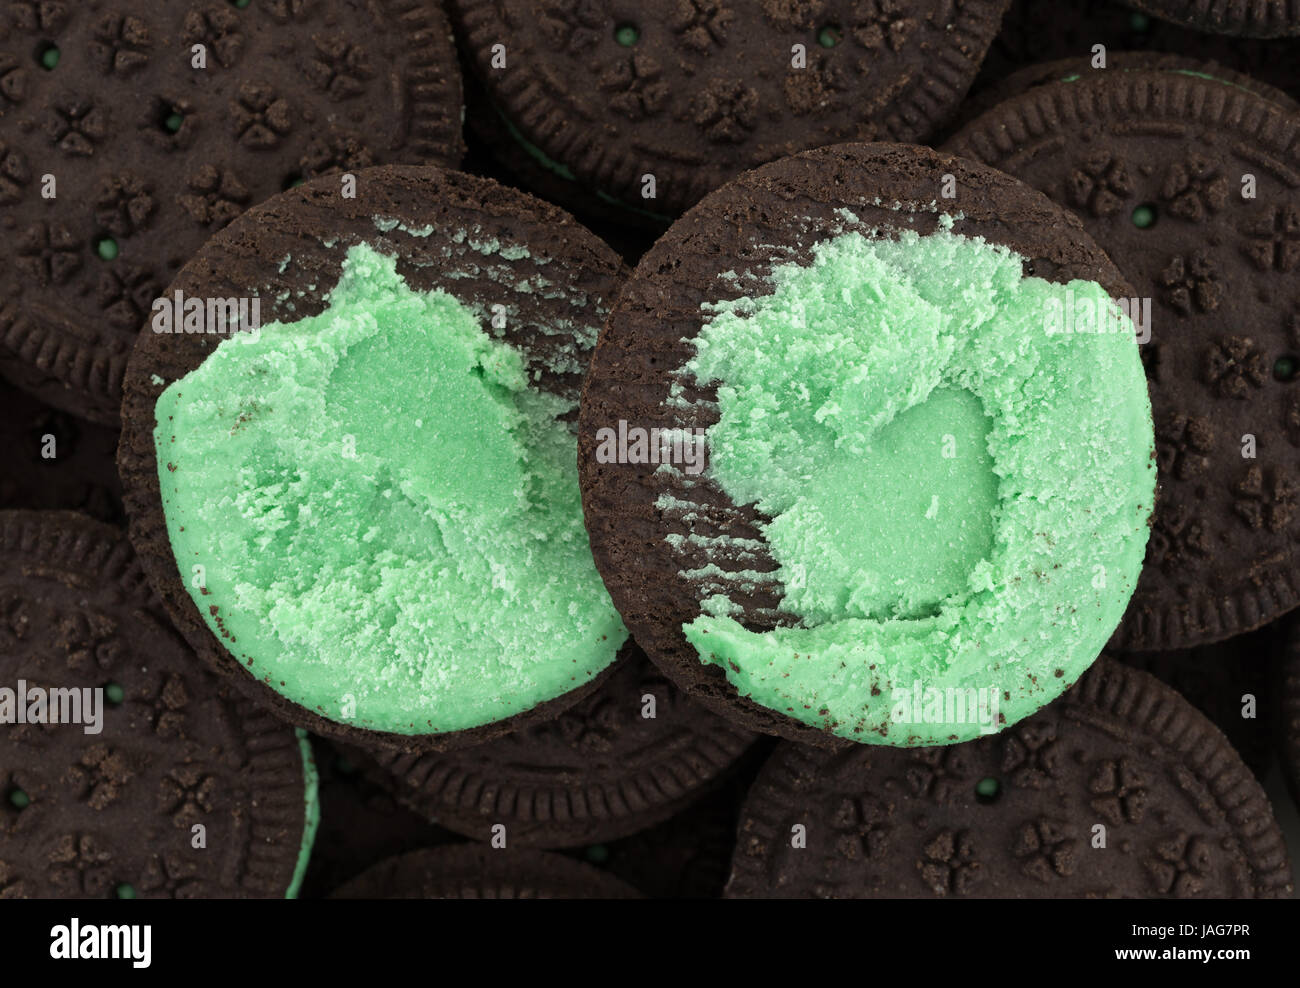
(56, 460)
(124, 145)
(1121, 757)
(689, 855)
(510, 159)
(1037, 31)
(1065, 69)
(1231, 682)
(108, 796)
(602, 94)
(1250, 18)
(685, 559)
(598, 771)
(375, 503)
(472, 871)
(1154, 165)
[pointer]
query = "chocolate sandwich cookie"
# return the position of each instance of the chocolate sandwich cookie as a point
(126, 769)
(365, 512)
(619, 228)
(472, 871)
(1119, 789)
(54, 460)
(131, 133)
(1192, 186)
(1249, 18)
(495, 149)
(361, 824)
(1037, 31)
(1070, 69)
(834, 441)
(650, 105)
(688, 856)
(1231, 682)
(628, 756)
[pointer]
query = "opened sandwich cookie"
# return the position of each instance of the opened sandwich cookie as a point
(866, 439)
(364, 510)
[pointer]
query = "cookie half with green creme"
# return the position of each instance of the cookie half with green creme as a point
(366, 512)
(645, 107)
(866, 449)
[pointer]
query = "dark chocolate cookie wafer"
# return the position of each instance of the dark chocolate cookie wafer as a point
(127, 770)
(490, 248)
(473, 871)
(630, 755)
(361, 824)
(689, 855)
(131, 133)
(1069, 69)
(1156, 165)
(623, 99)
(55, 460)
(656, 534)
(490, 157)
(1036, 31)
(494, 141)
(1231, 682)
(1119, 789)
(1249, 18)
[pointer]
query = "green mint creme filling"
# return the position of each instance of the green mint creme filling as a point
(379, 517)
(958, 493)
(311, 813)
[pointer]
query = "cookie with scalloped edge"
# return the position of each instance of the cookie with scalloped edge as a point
(130, 133)
(126, 769)
(632, 754)
(647, 106)
(1119, 789)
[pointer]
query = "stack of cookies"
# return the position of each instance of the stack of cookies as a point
(685, 449)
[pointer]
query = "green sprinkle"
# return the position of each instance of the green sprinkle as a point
(114, 693)
(125, 891)
(829, 36)
(1284, 368)
(49, 57)
(241, 4)
(1144, 217)
(19, 799)
(1139, 22)
(173, 122)
(106, 248)
(627, 35)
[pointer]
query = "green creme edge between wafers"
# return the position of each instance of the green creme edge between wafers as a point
(311, 819)
(388, 558)
(939, 544)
